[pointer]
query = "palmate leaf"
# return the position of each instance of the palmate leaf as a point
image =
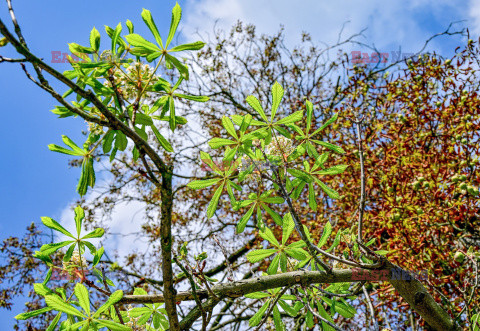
(330, 192)
(148, 19)
(327, 123)
(182, 68)
(197, 98)
(199, 184)
(335, 170)
(27, 315)
(75, 150)
(277, 95)
(141, 46)
(113, 325)
(288, 226)
(161, 139)
(54, 322)
(268, 235)
(97, 233)
(95, 39)
(212, 206)
(255, 104)
(257, 295)
(327, 231)
(273, 267)
(58, 304)
(295, 117)
(176, 16)
(244, 220)
(82, 295)
(87, 176)
(228, 125)
(79, 216)
(259, 254)
(113, 299)
(49, 249)
(188, 47)
(277, 320)
(257, 318)
(52, 224)
(336, 149)
(219, 142)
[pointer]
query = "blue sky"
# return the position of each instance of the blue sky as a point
(37, 182)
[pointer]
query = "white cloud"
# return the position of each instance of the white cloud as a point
(389, 24)
(120, 238)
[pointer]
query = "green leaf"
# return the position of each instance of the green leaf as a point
(267, 234)
(147, 18)
(330, 121)
(228, 125)
(97, 233)
(113, 299)
(288, 309)
(255, 104)
(259, 254)
(141, 46)
(54, 323)
(297, 253)
(176, 16)
(98, 255)
(273, 214)
(59, 149)
(277, 320)
(277, 95)
(312, 202)
(58, 304)
(115, 40)
(76, 48)
(295, 117)
(79, 216)
(327, 231)
(94, 39)
(212, 206)
(188, 47)
(129, 25)
(51, 248)
(244, 220)
(288, 226)
(143, 119)
(336, 242)
(330, 146)
(87, 176)
(108, 141)
(81, 293)
(182, 69)
(330, 192)
(257, 295)
(219, 142)
(257, 318)
(111, 325)
(121, 141)
(68, 255)
(52, 224)
(309, 107)
(335, 170)
(199, 184)
(161, 139)
(197, 98)
(27, 315)
(273, 267)
(301, 175)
